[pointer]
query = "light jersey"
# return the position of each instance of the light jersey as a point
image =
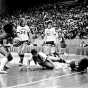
(41, 57)
(22, 32)
(50, 34)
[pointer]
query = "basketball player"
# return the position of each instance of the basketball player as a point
(23, 33)
(7, 32)
(79, 66)
(41, 59)
(50, 34)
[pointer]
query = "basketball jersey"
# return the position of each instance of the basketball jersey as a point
(50, 34)
(22, 32)
(41, 57)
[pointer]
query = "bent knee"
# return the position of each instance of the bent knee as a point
(49, 65)
(9, 57)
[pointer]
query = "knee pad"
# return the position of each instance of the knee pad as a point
(9, 57)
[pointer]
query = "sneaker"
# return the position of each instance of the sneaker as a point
(6, 68)
(20, 64)
(3, 72)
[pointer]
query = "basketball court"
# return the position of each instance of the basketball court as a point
(60, 77)
(37, 78)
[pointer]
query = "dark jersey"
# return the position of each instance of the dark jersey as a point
(40, 58)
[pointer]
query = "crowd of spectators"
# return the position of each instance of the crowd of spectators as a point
(72, 21)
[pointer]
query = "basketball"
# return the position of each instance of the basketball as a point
(16, 42)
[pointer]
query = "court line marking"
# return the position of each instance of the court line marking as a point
(35, 82)
(31, 83)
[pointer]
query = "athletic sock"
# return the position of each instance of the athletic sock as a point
(3, 63)
(21, 58)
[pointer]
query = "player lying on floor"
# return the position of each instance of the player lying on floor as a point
(41, 59)
(47, 62)
(7, 32)
(80, 66)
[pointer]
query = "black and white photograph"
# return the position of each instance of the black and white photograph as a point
(43, 43)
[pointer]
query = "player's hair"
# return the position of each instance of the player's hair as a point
(34, 51)
(83, 64)
(8, 28)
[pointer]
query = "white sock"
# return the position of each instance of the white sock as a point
(27, 59)
(3, 63)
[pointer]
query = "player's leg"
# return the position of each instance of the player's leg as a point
(47, 64)
(21, 53)
(56, 59)
(21, 58)
(26, 63)
(4, 51)
(27, 60)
